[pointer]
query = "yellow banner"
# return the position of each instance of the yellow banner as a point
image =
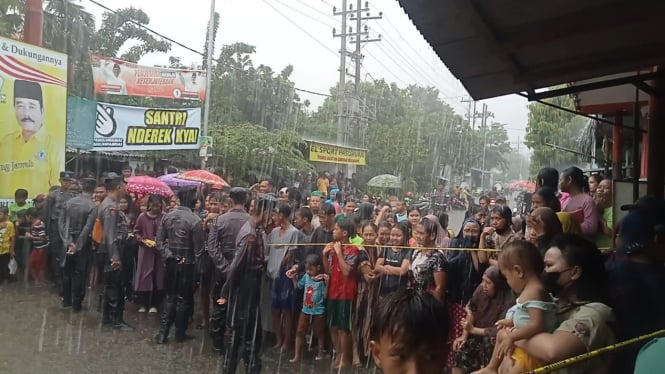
(335, 154)
(33, 112)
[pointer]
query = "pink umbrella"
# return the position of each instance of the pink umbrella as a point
(202, 176)
(144, 185)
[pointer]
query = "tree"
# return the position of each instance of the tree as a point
(122, 26)
(68, 28)
(549, 125)
(11, 17)
(247, 152)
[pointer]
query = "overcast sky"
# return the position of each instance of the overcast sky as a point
(403, 56)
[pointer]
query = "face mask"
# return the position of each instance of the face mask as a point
(551, 282)
(470, 242)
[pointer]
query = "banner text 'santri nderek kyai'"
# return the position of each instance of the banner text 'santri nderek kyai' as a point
(33, 113)
(127, 128)
(118, 77)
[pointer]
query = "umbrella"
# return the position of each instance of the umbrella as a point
(202, 176)
(523, 184)
(171, 180)
(144, 185)
(385, 181)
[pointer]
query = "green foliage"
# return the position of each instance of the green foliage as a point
(549, 125)
(246, 152)
(119, 28)
(11, 17)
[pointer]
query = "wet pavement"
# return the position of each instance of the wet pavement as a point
(38, 336)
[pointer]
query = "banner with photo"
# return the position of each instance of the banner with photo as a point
(33, 113)
(129, 128)
(118, 77)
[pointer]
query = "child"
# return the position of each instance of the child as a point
(22, 247)
(409, 330)
(7, 240)
(20, 203)
(341, 264)
(40, 243)
(313, 310)
(534, 312)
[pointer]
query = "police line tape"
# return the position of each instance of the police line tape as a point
(397, 247)
(583, 357)
(386, 246)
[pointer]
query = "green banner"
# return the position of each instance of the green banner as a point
(81, 122)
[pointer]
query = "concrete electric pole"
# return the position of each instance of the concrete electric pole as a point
(348, 109)
(211, 50)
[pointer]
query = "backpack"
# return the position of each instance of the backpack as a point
(97, 230)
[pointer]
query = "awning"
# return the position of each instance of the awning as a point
(500, 47)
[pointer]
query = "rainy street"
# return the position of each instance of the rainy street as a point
(38, 336)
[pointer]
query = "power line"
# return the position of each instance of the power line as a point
(412, 63)
(401, 36)
(317, 10)
(312, 92)
(385, 67)
(304, 14)
(185, 46)
(300, 28)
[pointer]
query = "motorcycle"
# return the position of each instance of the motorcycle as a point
(457, 204)
(422, 205)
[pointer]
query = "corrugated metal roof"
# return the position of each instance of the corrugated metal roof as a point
(117, 154)
(500, 47)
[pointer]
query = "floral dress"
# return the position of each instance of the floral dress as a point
(423, 267)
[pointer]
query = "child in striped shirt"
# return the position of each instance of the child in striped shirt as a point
(40, 243)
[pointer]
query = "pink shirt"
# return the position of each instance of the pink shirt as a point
(585, 203)
(563, 199)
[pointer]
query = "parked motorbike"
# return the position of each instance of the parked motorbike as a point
(457, 204)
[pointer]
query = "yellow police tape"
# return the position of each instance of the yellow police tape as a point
(385, 246)
(583, 357)
(396, 247)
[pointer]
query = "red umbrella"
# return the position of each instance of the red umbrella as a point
(203, 176)
(524, 184)
(143, 186)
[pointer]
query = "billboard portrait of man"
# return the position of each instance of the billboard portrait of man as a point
(29, 157)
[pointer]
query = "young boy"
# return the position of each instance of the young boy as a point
(40, 243)
(20, 203)
(408, 333)
(341, 263)
(7, 239)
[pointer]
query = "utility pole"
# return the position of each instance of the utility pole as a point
(471, 114)
(341, 94)
(358, 57)
(346, 112)
(520, 155)
(211, 46)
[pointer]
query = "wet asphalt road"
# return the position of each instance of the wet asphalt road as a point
(38, 336)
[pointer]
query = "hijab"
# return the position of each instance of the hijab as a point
(461, 242)
(487, 310)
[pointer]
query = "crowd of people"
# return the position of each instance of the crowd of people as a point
(372, 284)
